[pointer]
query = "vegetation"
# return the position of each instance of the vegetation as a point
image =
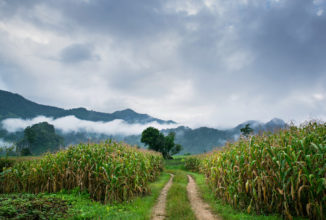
(30, 206)
(178, 205)
(158, 142)
(5, 162)
(219, 207)
(80, 206)
(9, 161)
(247, 130)
(192, 163)
(25, 152)
(139, 208)
(39, 139)
(15, 106)
(108, 171)
(281, 173)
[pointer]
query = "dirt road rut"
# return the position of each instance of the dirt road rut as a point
(200, 208)
(159, 212)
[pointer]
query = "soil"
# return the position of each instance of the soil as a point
(159, 212)
(201, 209)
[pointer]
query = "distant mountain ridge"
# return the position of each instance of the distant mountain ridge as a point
(16, 106)
(204, 139)
(194, 141)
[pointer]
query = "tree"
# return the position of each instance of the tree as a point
(246, 130)
(25, 152)
(153, 138)
(39, 139)
(158, 142)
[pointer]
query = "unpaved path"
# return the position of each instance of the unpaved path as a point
(159, 209)
(200, 208)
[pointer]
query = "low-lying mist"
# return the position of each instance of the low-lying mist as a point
(5, 144)
(72, 124)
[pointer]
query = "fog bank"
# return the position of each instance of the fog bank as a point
(73, 124)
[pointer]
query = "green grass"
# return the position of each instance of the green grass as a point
(226, 211)
(178, 206)
(180, 156)
(175, 164)
(139, 208)
(82, 207)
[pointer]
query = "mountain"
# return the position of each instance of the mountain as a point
(15, 106)
(201, 139)
(204, 139)
(193, 141)
(257, 126)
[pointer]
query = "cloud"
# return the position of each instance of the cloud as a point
(72, 124)
(76, 53)
(215, 63)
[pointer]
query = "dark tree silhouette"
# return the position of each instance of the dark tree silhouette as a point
(247, 130)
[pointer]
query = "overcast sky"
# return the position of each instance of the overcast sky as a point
(199, 62)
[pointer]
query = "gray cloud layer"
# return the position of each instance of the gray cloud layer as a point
(209, 62)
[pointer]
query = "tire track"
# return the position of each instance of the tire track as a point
(159, 211)
(200, 208)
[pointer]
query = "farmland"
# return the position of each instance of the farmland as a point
(109, 172)
(263, 177)
(283, 173)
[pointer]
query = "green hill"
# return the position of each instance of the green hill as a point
(16, 106)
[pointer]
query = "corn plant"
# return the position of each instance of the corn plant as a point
(192, 163)
(281, 173)
(109, 171)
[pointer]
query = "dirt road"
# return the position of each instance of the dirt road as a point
(200, 208)
(159, 209)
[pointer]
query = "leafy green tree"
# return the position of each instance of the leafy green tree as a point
(247, 130)
(158, 142)
(153, 138)
(39, 138)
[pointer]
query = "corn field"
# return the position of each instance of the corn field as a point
(282, 173)
(193, 163)
(108, 171)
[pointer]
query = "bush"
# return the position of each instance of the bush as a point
(108, 171)
(274, 173)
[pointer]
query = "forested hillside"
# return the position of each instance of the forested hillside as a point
(16, 106)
